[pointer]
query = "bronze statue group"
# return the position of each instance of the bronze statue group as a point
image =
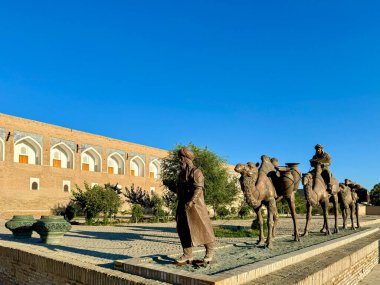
(265, 184)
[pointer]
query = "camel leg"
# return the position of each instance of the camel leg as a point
(271, 210)
(344, 215)
(261, 231)
(292, 208)
(357, 214)
(352, 216)
(275, 220)
(308, 218)
(335, 204)
(325, 215)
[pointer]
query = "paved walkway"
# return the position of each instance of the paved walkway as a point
(101, 245)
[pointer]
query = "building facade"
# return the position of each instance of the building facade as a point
(40, 164)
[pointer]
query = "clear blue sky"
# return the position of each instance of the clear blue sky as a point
(244, 78)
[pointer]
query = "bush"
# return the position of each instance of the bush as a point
(137, 213)
(233, 211)
(96, 200)
(222, 212)
(244, 211)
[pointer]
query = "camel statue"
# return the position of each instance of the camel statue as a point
(258, 191)
(347, 201)
(362, 194)
(285, 181)
(333, 192)
(315, 194)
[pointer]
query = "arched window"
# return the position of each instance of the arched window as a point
(28, 151)
(137, 166)
(154, 168)
(2, 149)
(34, 186)
(61, 156)
(115, 164)
(91, 160)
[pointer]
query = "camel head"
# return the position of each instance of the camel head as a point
(241, 168)
(307, 178)
(266, 164)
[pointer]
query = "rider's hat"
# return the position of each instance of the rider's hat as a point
(318, 146)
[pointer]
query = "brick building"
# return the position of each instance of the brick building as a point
(41, 163)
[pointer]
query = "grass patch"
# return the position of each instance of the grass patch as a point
(235, 232)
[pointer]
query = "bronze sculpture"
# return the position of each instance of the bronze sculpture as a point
(322, 160)
(315, 194)
(347, 201)
(362, 196)
(286, 181)
(193, 222)
(259, 190)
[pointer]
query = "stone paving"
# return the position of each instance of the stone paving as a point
(101, 245)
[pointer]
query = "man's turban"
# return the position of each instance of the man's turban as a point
(318, 146)
(186, 153)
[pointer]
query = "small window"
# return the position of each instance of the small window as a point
(34, 184)
(66, 186)
(23, 150)
(152, 189)
(56, 155)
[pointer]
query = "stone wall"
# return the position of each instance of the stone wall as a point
(19, 267)
(373, 210)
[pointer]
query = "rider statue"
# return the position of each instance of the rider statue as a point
(323, 159)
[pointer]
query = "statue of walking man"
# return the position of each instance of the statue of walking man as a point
(193, 222)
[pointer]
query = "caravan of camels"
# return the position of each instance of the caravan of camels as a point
(267, 182)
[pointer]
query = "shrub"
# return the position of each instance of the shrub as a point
(137, 213)
(222, 212)
(244, 211)
(96, 200)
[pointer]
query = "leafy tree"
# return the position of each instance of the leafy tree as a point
(170, 201)
(375, 195)
(139, 196)
(220, 189)
(95, 200)
(137, 213)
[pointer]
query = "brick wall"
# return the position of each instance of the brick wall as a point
(15, 194)
(20, 267)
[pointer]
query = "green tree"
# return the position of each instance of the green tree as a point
(170, 201)
(137, 213)
(95, 200)
(220, 188)
(375, 195)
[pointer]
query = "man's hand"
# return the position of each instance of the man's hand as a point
(189, 205)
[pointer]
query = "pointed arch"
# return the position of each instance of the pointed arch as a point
(91, 160)
(115, 164)
(154, 168)
(27, 150)
(2, 149)
(61, 156)
(137, 166)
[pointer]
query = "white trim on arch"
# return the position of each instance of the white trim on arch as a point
(137, 166)
(93, 167)
(119, 159)
(37, 152)
(2, 149)
(70, 160)
(155, 168)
